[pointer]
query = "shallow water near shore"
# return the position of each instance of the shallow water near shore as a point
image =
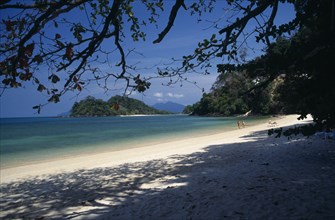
(32, 140)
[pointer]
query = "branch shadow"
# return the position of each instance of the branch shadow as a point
(254, 179)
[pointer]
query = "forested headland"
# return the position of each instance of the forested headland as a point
(291, 77)
(117, 105)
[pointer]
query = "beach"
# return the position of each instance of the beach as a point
(237, 174)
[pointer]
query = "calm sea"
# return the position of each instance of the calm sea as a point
(29, 140)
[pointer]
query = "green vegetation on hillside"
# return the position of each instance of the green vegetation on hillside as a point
(231, 95)
(117, 105)
(90, 107)
(272, 84)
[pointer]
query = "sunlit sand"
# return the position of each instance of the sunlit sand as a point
(242, 173)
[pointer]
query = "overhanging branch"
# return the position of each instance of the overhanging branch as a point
(238, 23)
(173, 14)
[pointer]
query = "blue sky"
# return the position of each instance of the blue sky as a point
(181, 40)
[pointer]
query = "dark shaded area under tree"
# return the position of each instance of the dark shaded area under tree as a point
(121, 188)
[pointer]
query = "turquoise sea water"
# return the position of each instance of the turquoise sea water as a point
(30, 140)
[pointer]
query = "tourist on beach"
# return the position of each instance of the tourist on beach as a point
(240, 124)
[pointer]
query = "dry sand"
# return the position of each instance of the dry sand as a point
(242, 174)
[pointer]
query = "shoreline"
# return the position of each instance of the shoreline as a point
(241, 174)
(99, 148)
(142, 152)
(110, 147)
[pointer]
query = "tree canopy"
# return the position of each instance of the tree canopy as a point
(68, 58)
(230, 96)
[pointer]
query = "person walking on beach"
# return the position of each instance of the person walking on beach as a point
(240, 124)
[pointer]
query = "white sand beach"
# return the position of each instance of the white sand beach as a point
(240, 174)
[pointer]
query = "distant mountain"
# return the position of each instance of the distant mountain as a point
(64, 114)
(117, 105)
(169, 106)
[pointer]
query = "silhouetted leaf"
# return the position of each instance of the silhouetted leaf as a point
(38, 59)
(40, 88)
(69, 52)
(54, 98)
(78, 87)
(29, 49)
(54, 78)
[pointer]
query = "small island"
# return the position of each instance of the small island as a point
(115, 106)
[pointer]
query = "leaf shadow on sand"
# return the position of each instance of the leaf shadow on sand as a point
(257, 179)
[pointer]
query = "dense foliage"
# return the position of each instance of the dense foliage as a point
(306, 63)
(90, 107)
(117, 105)
(231, 95)
(295, 75)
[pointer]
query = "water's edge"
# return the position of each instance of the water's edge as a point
(35, 140)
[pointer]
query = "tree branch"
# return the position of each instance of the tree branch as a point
(94, 44)
(4, 5)
(172, 17)
(33, 31)
(270, 21)
(238, 23)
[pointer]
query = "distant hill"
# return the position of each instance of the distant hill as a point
(64, 114)
(117, 105)
(169, 106)
(130, 106)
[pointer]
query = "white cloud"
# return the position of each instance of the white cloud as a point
(175, 95)
(158, 95)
